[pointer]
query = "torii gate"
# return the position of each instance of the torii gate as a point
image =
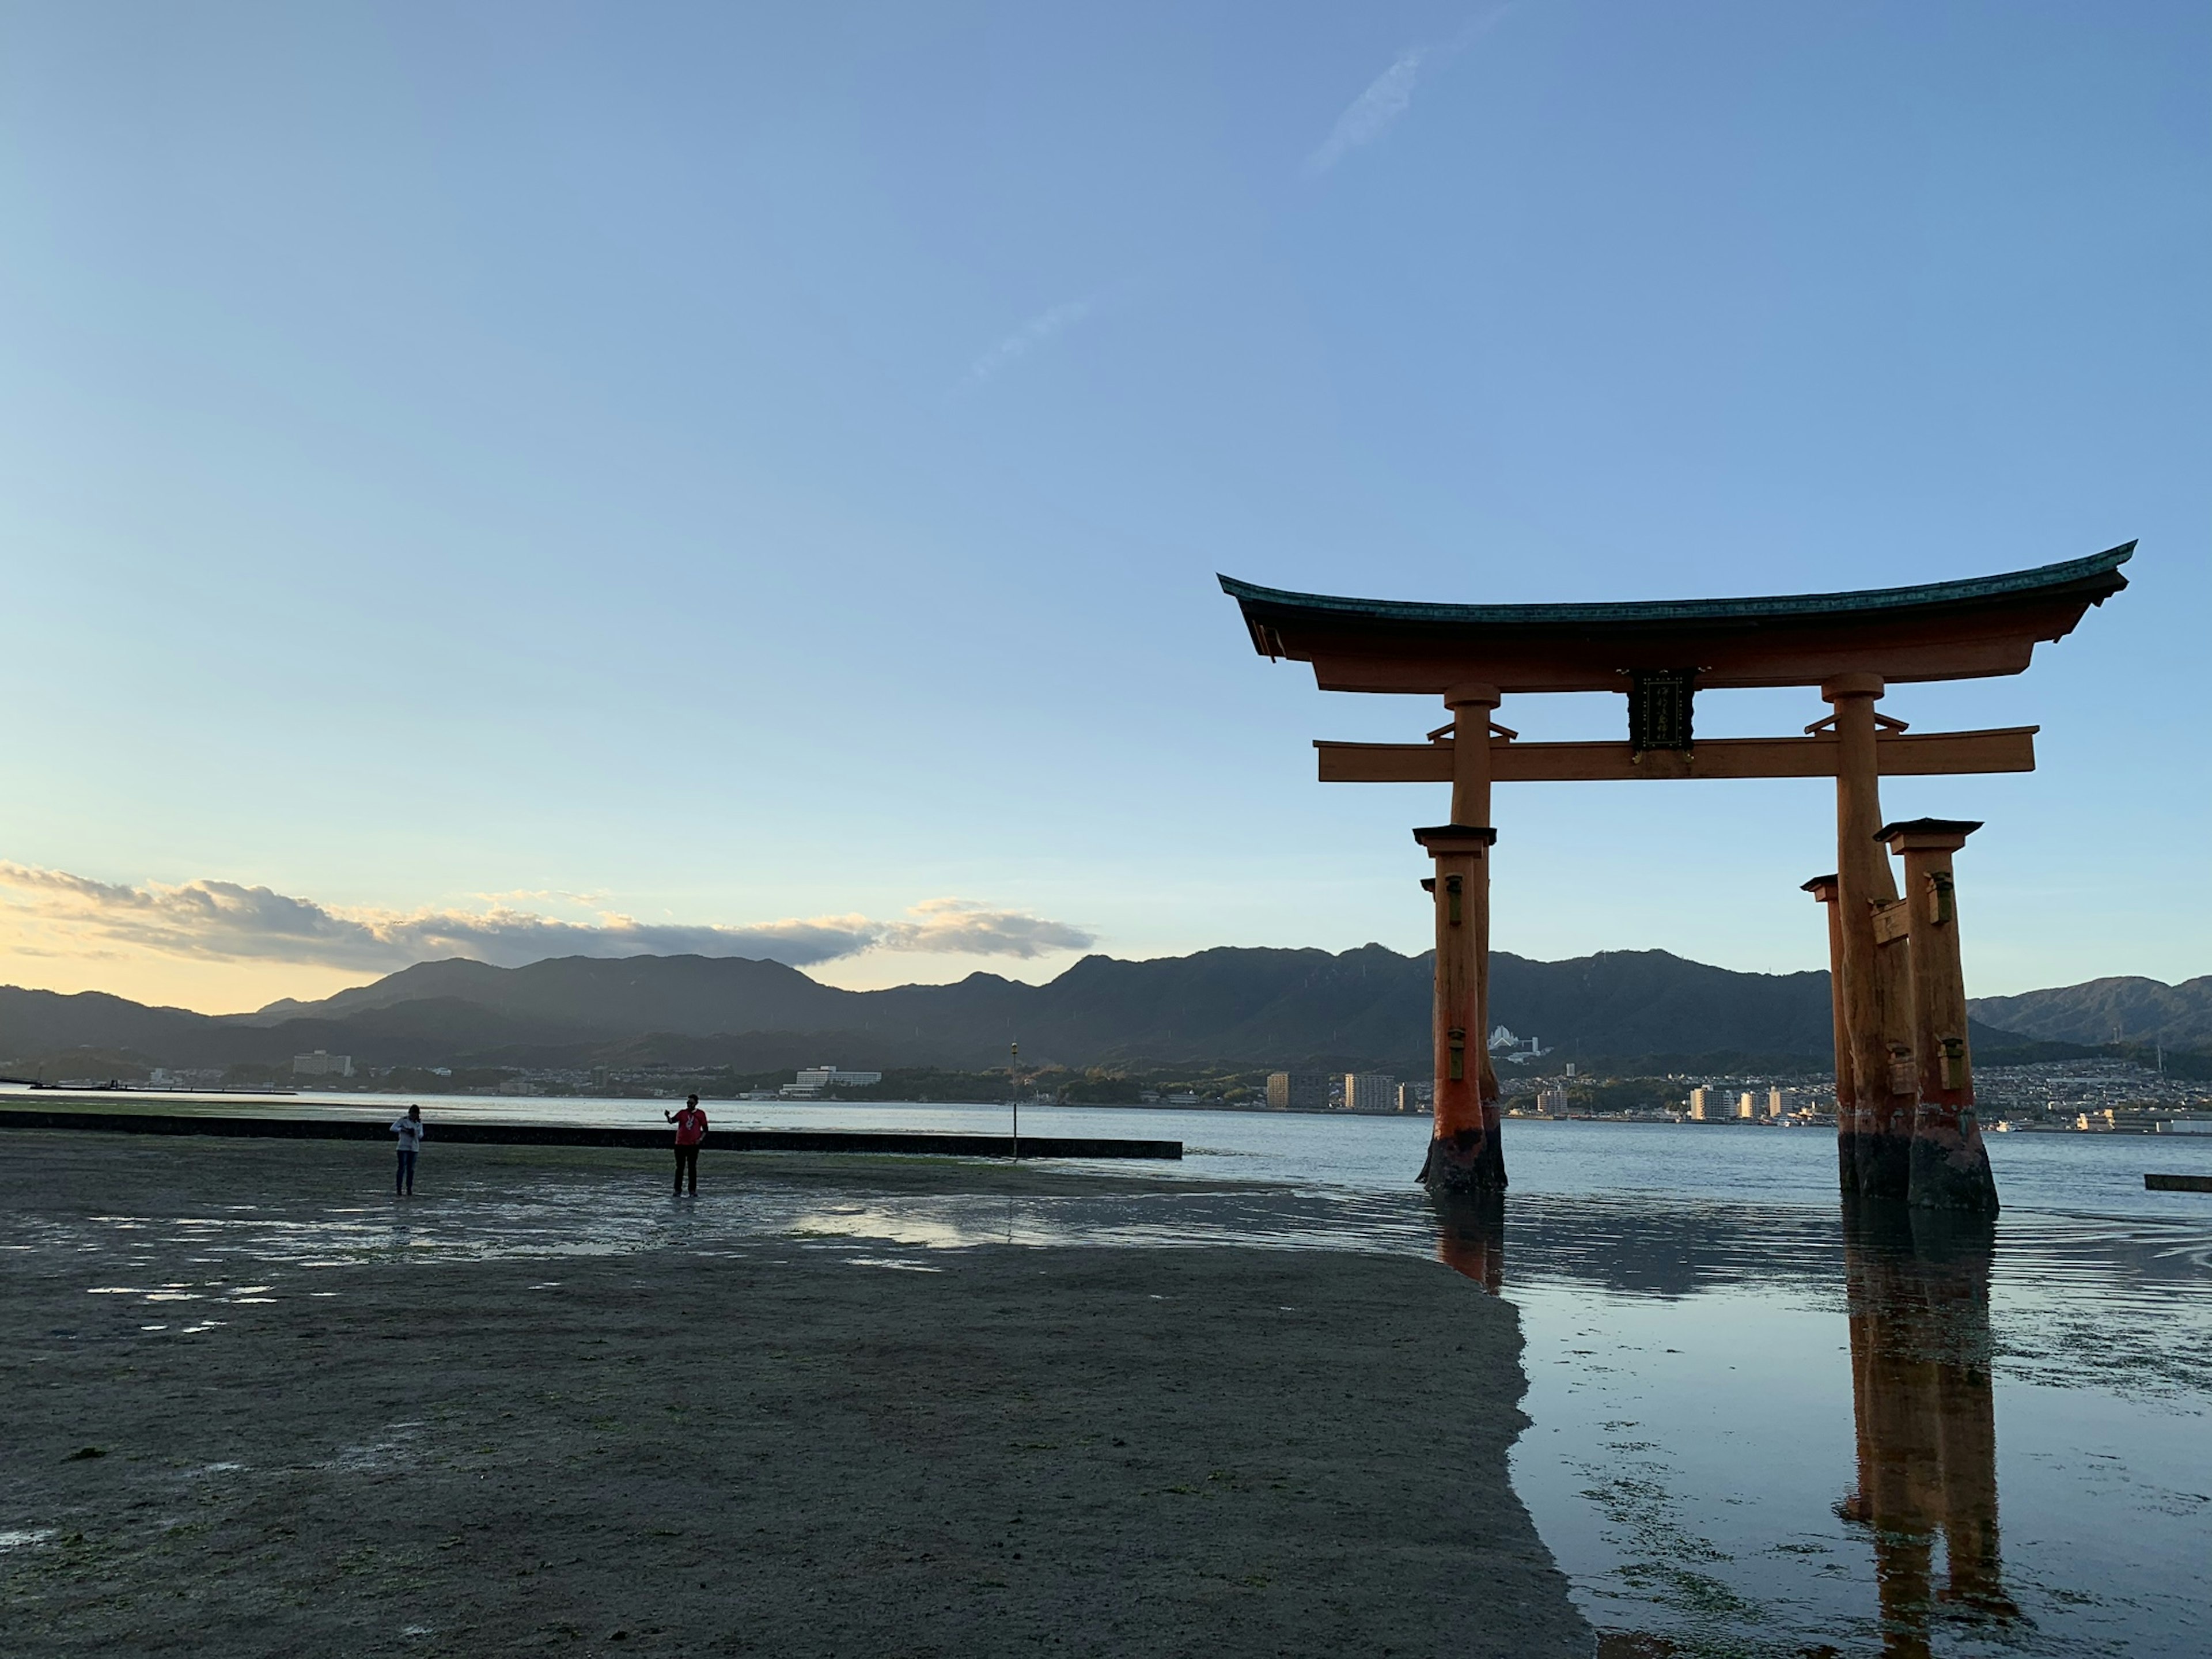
(1905, 1124)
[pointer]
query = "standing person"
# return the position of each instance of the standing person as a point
(410, 1131)
(690, 1129)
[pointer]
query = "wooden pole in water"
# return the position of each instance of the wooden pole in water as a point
(1464, 1153)
(1824, 888)
(1874, 986)
(1950, 1165)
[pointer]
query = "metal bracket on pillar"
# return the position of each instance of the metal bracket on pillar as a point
(1943, 897)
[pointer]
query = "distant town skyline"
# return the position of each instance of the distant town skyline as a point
(521, 480)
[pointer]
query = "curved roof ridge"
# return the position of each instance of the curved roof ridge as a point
(2042, 578)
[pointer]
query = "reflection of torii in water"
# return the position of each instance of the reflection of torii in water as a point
(1918, 1289)
(1919, 1297)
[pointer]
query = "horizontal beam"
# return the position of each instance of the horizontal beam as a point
(1900, 755)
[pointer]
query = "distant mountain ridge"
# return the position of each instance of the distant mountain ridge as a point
(1247, 1007)
(2123, 1009)
(1227, 1005)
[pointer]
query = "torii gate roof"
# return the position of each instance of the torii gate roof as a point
(1941, 631)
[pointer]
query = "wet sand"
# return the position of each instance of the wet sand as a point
(783, 1449)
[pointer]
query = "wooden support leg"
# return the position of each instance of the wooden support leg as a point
(1485, 1072)
(1875, 978)
(1464, 1154)
(1949, 1162)
(1823, 889)
(1885, 1150)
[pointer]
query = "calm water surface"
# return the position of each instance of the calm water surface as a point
(1760, 1426)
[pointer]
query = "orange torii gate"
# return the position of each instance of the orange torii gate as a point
(1905, 1124)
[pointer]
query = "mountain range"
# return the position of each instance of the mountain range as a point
(2130, 1010)
(1365, 1007)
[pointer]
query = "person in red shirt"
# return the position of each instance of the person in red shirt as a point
(690, 1129)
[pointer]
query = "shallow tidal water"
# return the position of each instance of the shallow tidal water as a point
(1759, 1424)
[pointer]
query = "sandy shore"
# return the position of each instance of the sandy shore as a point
(783, 1450)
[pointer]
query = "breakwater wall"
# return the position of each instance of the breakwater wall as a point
(448, 1133)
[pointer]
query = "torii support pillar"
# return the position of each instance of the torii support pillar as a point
(1464, 1153)
(1950, 1164)
(1824, 888)
(1874, 986)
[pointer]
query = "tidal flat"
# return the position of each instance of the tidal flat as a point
(258, 1405)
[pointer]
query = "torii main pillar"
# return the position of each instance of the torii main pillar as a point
(1465, 1156)
(1874, 986)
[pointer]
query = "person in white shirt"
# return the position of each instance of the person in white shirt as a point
(410, 1131)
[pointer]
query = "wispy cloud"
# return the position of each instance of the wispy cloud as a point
(1390, 95)
(1013, 348)
(224, 921)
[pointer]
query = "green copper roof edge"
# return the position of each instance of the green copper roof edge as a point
(2048, 577)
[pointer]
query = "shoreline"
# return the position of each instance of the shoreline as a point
(804, 1446)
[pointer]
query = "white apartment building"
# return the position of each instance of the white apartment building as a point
(1711, 1105)
(828, 1077)
(1369, 1092)
(322, 1063)
(812, 1080)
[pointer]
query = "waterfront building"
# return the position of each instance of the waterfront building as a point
(811, 1080)
(1711, 1105)
(1298, 1091)
(1794, 1102)
(828, 1077)
(1369, 1092)
(322, 1063)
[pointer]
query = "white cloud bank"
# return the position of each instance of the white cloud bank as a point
(222, 921)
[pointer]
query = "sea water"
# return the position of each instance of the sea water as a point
(1759, 1424)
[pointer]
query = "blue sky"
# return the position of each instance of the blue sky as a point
(524, 477)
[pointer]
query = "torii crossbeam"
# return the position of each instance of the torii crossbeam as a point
(1904, 1099)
